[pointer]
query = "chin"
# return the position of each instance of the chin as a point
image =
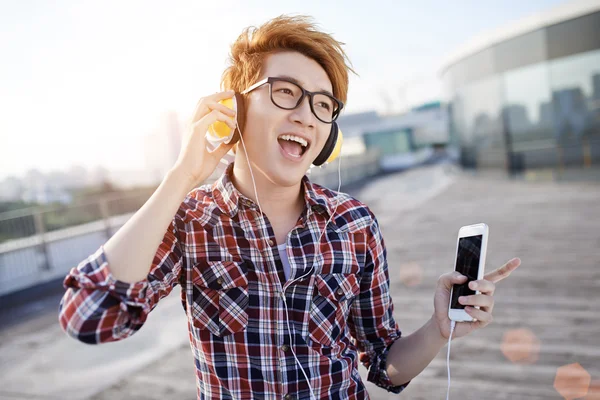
(278, 169)
(283, 173)
(287, 176)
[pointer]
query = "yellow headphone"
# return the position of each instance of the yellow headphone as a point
(220, 130)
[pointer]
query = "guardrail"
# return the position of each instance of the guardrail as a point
(39, 245)
(42, 244)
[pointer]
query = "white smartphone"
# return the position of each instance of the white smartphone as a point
(470, 261)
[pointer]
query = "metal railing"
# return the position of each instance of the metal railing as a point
(42, 244)
(39, 245)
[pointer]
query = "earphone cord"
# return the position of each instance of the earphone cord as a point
(337, 203)
(287, 320)
(253, 181)
(452, 325)
(292, 344)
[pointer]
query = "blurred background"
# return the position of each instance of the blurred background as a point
(462, 112)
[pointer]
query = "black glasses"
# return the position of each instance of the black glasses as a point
(289, 95)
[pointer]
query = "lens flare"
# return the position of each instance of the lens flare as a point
(594, 391)
(521, 346)
(572, 381)
(411, 274)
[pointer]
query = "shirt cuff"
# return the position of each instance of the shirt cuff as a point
(378, 372)
(94, 274)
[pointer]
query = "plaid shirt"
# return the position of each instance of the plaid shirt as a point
(233, 290)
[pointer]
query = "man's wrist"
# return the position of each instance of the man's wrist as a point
(409, 355)
(434, 332)
(178, 177)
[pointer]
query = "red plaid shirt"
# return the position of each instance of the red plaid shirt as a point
(232, 287)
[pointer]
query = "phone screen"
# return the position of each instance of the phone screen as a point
(467, 263)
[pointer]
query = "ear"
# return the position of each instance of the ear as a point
(240, 100)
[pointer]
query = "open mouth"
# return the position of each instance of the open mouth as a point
(292, 145)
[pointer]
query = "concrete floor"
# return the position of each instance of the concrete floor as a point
(553, 227)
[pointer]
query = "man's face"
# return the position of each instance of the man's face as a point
(284, 162)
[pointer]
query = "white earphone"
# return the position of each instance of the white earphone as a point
(314, 257)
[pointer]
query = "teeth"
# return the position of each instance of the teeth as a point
(293, 138)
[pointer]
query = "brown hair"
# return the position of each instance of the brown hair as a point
(286, 33)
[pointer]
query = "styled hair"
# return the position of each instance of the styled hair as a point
(285, 33)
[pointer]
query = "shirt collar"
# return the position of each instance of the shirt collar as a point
(229, 199)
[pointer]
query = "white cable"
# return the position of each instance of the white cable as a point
(287, 320)
(452, 325)
(337, 203)
(292, 343)
(253, 181)
(314, 257)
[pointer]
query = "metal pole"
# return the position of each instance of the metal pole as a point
(508, 143)
(103, 204)
(40, 230)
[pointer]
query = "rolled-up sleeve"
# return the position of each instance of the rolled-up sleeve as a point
(371, 320)
(98, 308)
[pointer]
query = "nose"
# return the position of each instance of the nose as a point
(303, 114)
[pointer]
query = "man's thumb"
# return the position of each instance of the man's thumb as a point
(223, 148)
(452, 278)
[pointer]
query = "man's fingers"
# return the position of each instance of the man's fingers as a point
(484, 286)
(211, 118)
(213, 105)
(504, 271)
(451, 278)
(222, 95)
(203, 107)
(481, 300)
(218, 96)
(220, 151)
(480, 315)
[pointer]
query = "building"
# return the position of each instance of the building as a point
(162, 146)
(527, 96)
(403, 140)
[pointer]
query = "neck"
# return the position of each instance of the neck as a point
(276, 201)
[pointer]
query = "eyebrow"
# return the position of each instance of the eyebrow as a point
(297, 82)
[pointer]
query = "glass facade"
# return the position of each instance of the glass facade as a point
(527, 106)
(575, 84)
(390, 142)
(478, 123)
(532, 101)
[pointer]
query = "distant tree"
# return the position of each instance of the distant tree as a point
(13, 228)
(14, 205)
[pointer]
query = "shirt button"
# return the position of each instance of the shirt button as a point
(271, 243)
(288, 397)
(340, 291)
(285, 348)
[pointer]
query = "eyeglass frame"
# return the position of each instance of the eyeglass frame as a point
(305, 93)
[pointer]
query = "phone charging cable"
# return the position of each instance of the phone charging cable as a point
(452, 325)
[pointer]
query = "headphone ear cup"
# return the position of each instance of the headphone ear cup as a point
(240, 115)
(332, 147)
(338, 147)
(222, 131)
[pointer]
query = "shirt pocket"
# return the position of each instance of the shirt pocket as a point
(332, 297)
(220, 297)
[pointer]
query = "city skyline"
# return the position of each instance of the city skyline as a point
(80, 93)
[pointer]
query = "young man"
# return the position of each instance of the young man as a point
(284, 282)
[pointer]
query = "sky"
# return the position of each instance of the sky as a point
(85, 82)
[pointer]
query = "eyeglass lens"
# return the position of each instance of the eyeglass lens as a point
(287, 95)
